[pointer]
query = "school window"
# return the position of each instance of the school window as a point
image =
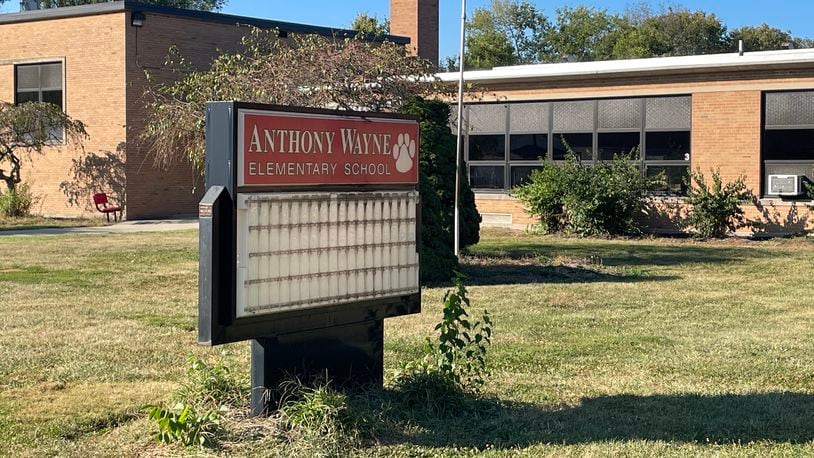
(506, 142)
(788, 135)
(39, 83)
(666, 146)
(486, 147)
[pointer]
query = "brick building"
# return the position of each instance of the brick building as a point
(91, 60)
(750, 114)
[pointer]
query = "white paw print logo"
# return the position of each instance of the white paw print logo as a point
(404, 152)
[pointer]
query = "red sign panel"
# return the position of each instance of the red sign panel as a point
(278, 148)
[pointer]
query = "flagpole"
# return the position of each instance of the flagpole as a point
(460, 131)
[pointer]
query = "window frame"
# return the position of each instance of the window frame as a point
(507, 163)
(39, 63)
(764, 163)
(502, 163)
(63, 82)
(647, 163)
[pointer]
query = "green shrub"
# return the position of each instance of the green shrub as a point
(716, 210)
(184, 425)
(544, 194)
(437, 259)
(600, 199)
(437, 186)
(17, 202)
(460, 352)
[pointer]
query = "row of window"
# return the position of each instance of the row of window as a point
(491, 177)
(533, 147)
(506, 142)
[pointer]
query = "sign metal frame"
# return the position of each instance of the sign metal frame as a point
(218, 320)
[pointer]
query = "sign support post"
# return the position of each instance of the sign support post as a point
(459, 143)
(309, 239)
(352, 355)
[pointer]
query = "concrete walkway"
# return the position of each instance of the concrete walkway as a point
(153, 225)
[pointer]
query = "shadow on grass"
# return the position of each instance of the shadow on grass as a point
(31, 227)
(722, 419)
(635, 253)
(514, 274)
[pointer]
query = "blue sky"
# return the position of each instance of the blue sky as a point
(796, 16)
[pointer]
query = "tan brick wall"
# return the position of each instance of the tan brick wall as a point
(153, 191)
(92, 49)
(746, 80)
(777, 217)
(500, 210)
(105, 61)
(726, 135)
(417, 19)
(767, 216)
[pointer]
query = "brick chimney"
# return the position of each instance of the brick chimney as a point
(417, 19)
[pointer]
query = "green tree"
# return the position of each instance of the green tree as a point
(511, 32)
(486, 47)
(524, 25)
(801, 42)
(585, 34)
(315, 71)
(30, 128)
(677, 32)
(367, 24)
(507, 33)
(305, 70)
(760, 38)
(203, 5)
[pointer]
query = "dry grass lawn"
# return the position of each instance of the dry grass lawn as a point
(602, 347)
(41, 222)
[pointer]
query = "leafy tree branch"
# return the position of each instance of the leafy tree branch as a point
(309, 71)
(30, 128)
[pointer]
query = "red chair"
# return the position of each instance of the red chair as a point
(102, 204)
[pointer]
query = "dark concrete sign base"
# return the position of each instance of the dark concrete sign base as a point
(351, 355)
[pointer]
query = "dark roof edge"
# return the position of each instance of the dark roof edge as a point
(126, 5)
(63, 12)
(293, 27)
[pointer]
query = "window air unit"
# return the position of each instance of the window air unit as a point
(786, 185)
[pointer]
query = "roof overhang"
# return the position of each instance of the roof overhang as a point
(126, 5)
(750, 61)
